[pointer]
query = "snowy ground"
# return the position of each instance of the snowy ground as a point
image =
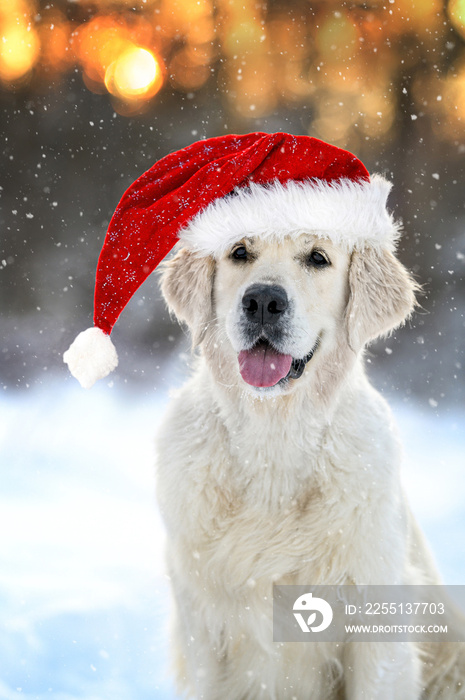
(83, 598)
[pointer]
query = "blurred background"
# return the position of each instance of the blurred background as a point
(92, 93)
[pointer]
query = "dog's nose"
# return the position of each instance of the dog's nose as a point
(264, 303)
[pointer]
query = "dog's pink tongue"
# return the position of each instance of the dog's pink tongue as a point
(263, 366)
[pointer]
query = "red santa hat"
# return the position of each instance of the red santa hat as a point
(213, 193)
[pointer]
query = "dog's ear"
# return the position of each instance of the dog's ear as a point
(187, 285)
(381, 295)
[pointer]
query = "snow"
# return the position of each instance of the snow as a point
(84, 601)
(83, 597)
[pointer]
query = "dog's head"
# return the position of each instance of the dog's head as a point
(271, 316)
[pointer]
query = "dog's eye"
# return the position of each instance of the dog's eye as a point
(317, 259)
(239, 253)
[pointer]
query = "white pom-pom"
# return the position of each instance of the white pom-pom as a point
(92, 356)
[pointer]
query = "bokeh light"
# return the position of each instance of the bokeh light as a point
(336, 58)
(19, 49)
(134, 74)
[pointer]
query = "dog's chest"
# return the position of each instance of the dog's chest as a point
(290, 510)
(239, 541)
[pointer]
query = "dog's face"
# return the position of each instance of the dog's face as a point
(279, 304)
(273, 316)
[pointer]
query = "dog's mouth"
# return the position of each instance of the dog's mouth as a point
(264, 366)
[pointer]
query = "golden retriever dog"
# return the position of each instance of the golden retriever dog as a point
(279, 463)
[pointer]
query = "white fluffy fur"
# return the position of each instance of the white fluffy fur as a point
(299, 488)
(352, 214)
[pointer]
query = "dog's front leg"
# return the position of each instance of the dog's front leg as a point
(199, 656)
(381, 671)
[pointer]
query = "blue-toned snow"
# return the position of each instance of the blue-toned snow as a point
(84, 603)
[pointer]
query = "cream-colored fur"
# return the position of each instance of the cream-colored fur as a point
(295, 484)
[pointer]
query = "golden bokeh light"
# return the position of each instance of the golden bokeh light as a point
(188, 20)
(117, 57)
(136, 73)
(54, 35)
(336, 58)
(452, 101)
(250, 87)
(99, 43)
(244, 36)
(190, 68)
(19, 49)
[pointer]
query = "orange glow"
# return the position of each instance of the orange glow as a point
(54, 38)
(19, 49)
(183, 16)
(202, 31)
(454, 98)
(135, 73)
(102, 40)
(338, 58)
(251, 87)
(115, 55)
(288, 37)
(424, 17)
(189, 68)
(99, 42)
(243, 36)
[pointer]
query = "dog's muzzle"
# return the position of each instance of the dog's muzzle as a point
(264, 309)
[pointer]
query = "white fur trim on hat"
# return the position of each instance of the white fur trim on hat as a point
(350, 213)
(92, 356)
